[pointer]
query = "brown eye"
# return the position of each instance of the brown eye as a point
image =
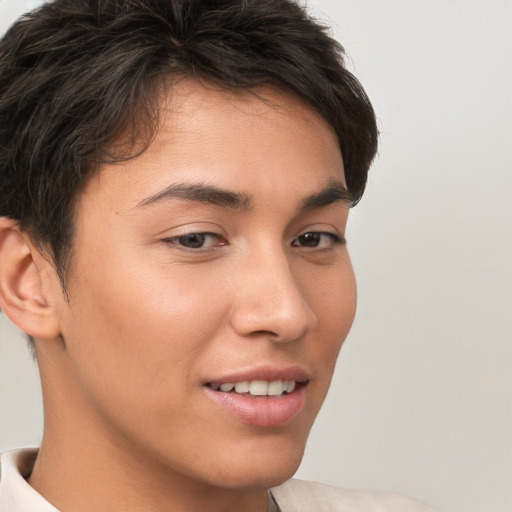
(192, 240)
(317, 239)
(309, 239)
(197, 241)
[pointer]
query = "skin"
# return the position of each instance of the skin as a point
(124, 363)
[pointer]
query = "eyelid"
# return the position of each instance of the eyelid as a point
(174, 241)
(335, 237)
(323, 227)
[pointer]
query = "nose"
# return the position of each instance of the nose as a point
(269, 300)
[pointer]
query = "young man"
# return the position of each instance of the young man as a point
(175, 181)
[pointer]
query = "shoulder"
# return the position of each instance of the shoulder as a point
(302, 495)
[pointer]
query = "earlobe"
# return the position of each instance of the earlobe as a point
(21, 287)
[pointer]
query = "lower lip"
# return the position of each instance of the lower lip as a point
(261, 411)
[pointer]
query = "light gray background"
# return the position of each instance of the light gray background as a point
(422, 399)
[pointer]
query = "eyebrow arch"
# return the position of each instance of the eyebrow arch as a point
(238, 201)
(334, 192)
(202, 194)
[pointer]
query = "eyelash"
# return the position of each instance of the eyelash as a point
(177, 240)
(333, 237)
(203, 236)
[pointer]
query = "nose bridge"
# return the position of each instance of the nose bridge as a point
(271, 299)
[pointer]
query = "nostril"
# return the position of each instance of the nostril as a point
(269, 334)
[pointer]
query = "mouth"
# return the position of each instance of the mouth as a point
(264, 397)
(258, 388)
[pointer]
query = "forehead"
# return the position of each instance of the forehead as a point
(191, 97)
(233, 139)
(209, 114)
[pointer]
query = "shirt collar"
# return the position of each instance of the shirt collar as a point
(16, 495)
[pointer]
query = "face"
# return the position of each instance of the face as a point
(211, 289)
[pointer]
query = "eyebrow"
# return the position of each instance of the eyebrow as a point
(202, 194)
(334, 192)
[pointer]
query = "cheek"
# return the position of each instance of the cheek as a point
(138, 331)
(333, 299)
(332, 294)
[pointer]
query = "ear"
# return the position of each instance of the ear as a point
(21, 285)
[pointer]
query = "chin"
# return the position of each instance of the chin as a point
(261, 469)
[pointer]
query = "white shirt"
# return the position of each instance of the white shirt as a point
(16, 495)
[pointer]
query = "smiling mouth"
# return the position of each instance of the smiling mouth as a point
(268, 398)
(258, 388)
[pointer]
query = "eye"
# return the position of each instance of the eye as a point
(317, 240)
(193, 241)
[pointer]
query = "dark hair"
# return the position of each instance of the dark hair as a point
(76, 75)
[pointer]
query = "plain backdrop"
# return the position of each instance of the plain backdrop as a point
(421, 403)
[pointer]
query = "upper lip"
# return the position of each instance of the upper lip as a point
(267, 373)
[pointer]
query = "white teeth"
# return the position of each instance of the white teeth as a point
(257, 387)
(290, 386)
(276, 388)
(242, 387)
